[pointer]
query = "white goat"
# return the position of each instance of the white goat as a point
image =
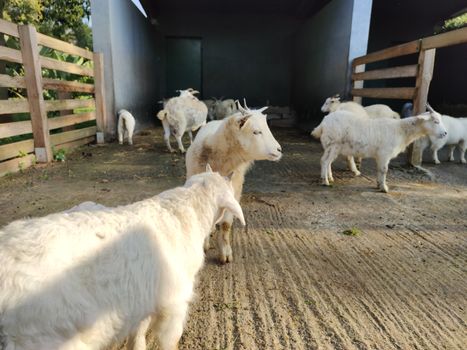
(343, 132)
(181, 114)
(333, 104)
(232, 144)
(457, 136)
(85, 279)
(190, 92)
(210, 105)
(224, 108)
(126, 123)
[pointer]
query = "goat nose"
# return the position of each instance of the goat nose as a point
(279, 149)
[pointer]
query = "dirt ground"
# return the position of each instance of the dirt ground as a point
(297, 282)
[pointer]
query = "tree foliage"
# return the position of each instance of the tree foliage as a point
(62, 19)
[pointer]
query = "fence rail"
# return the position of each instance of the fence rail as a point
(422, 71)
(21, 153)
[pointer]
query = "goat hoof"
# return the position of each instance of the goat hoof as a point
(463, 161)
(437, 162)
(357, 173)
(384, 189)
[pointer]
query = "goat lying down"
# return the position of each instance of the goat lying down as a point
(91, 276)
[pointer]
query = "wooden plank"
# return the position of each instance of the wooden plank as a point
(9, 81)
(9, 28)
(74, 144)
(33, 75)
(16, 164)
(394, 51)
(358, 84)
(12, 150)
(396, 93)
(63, 46)
(66, 85)
(426, 63)
(15, 128)
(387, 73)
(101, 109)
(57, 105)
(14, 106)
(68, 67)
(73, 135)
(10, 55)
(455, 37)
(71, 119)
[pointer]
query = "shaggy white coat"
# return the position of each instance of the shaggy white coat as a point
(232, 145)
(457, 137)
(343, 132)
(126, 124)
(85, 279)
(182, 114)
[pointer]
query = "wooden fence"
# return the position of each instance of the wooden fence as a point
(421, 70)
(21, 154)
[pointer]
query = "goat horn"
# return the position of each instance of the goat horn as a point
(244, 102)
(429, 107)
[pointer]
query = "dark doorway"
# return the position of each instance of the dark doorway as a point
(184, 64)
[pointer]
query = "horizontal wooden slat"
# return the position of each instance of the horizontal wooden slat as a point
(387, 73)
(10, 55)
(50, 63)
(63, 46)
(14, 106)
(73, 135)
(396, 93)
(12, 150)
(59, 105)
(9, 81)
(65, 85)
(15, 128)
(9, 28)
(395, 51)
(16, 164)
(454, 37)
(70, 119)
(73, 144)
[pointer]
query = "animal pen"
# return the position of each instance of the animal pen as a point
(18, 150)
(422, 71)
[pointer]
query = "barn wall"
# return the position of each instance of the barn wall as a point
(126, 38)
(243, 55)
(323, 49)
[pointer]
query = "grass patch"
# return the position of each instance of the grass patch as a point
(352, 232)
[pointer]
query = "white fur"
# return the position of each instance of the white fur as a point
(126, 123)
(381, 111)
(87, 278)
(232, 145)
(457, 136)
(343, 132)
(224, 108)
(182, 114)
(190, 92)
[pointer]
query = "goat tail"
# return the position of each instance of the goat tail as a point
(316, 133)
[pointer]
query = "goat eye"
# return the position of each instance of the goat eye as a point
(257, 132)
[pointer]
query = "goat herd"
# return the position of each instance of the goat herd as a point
(93, 275)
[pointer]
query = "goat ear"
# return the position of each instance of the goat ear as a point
(208, 168)
(242, 120)
(195, 92)
(228, 202)
(229, 177)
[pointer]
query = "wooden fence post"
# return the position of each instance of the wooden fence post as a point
(33, 77)
(99, 86)
(358, 84)
(426, 63)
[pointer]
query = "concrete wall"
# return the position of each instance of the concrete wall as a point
(323, 50)
(126, 38)
(243, 55)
